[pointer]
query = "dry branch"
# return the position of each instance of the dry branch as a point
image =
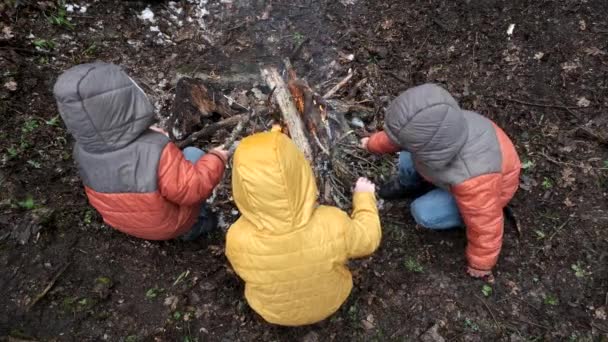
(338, 86)
(49, 286)
(210, 129)
(288, 109)
(238, 130)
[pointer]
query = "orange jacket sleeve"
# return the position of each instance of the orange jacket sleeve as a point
(185, 183)
(479, 204)
(380, 143)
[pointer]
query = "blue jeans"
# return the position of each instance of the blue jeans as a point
(437, 208)
(193, 154)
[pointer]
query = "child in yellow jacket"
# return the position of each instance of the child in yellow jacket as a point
(290, 252)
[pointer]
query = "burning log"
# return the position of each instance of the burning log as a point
(288, 109)
(319, 128)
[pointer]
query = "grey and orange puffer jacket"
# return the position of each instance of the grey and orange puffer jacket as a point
(135, 177)
(462, 152)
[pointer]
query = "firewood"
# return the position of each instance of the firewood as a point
(338, 86)
(288, 110)
(210, 129)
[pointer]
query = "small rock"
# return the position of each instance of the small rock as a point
(432, 335)
(11, 85)
(311, 337)
(368, 322)
(583, 102)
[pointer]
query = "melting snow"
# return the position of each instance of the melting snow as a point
(147, 15)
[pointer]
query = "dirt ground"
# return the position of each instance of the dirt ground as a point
(546, 84)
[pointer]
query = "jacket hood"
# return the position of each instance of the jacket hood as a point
(427, 121)
(102, 107)
(272, 183)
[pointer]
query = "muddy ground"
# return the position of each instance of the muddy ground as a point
(546, 85)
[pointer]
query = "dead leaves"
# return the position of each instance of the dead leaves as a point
(567, 178)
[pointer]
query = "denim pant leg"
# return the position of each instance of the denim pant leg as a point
(437, 210)
(193, 154)
(408, 176)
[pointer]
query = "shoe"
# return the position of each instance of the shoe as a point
(207, 222)
(393, 190)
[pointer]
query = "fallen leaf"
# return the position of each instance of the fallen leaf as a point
(513, 287)
(583, 102)
(171, 302)
(582, 25)
(539, 55)
(600, 313)
(593, 51)
(567, 177)
(7, 32)
(568, 203)
(569, 66)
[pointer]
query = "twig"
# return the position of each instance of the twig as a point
(557, 162)
(604, 330)
(397, 77)
(319, 144)
(49, 285)
(535, 324)
(353, 92)
(210, 129)
(543, 105)
(559, 228)
(490, 311)
(28, 51)
(238, 130)
(586, 132)
(441, 25)
(338, 86)
(234, 101)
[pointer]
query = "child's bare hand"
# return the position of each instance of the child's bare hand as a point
(363, 143)
(221, 152)
(364, 185)
(485, 275)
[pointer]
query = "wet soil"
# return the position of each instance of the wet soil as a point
(546, 84)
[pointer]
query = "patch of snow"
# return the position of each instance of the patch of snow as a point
(200, 12)
(154, 29)
(510, 29)
(69, 8)
(83, 9)
(147, 15)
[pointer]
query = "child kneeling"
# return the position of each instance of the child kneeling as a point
(290, 251)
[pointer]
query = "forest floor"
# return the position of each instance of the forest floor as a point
(68, 277)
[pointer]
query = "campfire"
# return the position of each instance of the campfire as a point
(317, 124)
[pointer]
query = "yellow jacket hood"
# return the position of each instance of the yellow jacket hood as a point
(272, 183)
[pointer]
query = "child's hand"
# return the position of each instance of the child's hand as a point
(221, 152)
(485, 275)
(364, 142)
(364, 185)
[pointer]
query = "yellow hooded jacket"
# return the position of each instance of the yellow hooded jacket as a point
(290, 252)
